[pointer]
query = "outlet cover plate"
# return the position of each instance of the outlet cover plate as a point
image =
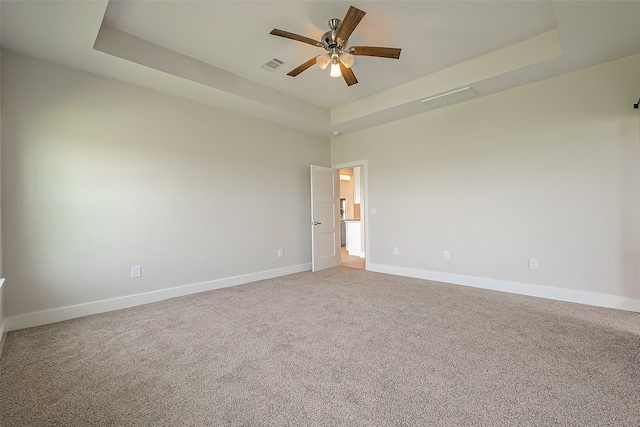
(136, 271)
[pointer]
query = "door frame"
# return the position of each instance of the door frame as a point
(364, 211)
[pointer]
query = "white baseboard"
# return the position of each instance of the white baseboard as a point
(39, 318)
(560, 294)
(3, 337)
(3, 333)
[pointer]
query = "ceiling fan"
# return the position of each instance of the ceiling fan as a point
(335, 42)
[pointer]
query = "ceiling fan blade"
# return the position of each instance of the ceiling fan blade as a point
(300, 68)
(350, 22)
(297, 37)
(348, 75)
(382, 52)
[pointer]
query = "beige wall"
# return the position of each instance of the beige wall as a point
(550, 171)
(2, 312)
(99, 176)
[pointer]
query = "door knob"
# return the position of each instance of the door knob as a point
(316, 223)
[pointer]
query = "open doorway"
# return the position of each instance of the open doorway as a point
(352, 217)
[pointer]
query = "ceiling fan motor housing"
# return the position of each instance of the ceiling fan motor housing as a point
(330, 41)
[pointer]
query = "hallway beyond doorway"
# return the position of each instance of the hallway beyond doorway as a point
(347, 260)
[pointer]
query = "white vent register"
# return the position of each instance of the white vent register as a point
(272, 64)
(450, 97)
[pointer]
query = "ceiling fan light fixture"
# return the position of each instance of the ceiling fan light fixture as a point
(323, 60)
(335, 67)
(335, 42)
(347, 59)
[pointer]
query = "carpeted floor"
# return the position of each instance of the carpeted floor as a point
(342, 347)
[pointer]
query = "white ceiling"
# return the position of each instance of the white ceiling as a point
(211, 51)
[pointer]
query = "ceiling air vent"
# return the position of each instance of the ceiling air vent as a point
(450, 97)
(272, 64)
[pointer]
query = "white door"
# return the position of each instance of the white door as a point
(325, 218)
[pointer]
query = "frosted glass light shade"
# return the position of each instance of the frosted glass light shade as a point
(347, 59)
(323, 60)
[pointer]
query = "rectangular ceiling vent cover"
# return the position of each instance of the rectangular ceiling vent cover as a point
(450, 97)
(272, 64)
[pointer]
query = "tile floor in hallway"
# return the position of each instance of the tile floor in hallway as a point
(347, 260)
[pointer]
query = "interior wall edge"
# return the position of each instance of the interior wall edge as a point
(518, 288)
(3, 337)
(3, 333)
(44, 317)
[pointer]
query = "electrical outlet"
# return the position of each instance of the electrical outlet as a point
(280, 253)
(446, 255)
(396, 250)
(136, 271)
(533, 264)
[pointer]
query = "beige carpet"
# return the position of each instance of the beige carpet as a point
(343, 347)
